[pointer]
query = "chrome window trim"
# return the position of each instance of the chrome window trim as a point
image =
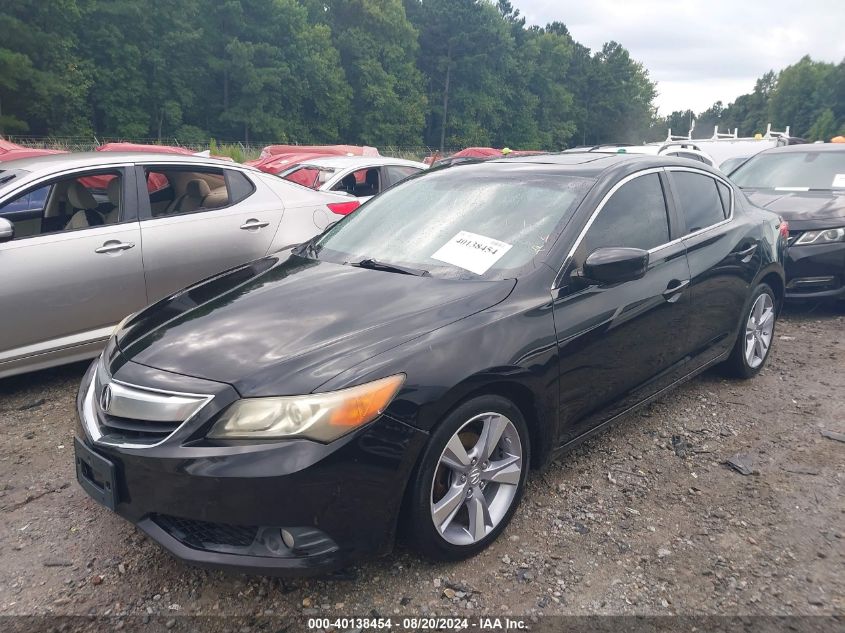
(655, 249)
(594, 215)
(89, 416)
(717, 179)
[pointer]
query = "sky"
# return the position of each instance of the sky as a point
(702, 51)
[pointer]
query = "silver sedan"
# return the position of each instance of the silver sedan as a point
(86, 239)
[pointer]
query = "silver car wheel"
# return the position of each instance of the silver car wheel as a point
(476, 478)
(758, 331)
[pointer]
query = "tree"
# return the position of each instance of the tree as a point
(801, 94)
(378, 50)
(824, 127)
(44, 82)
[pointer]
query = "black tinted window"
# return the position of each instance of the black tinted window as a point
(398, 172)
(635, 216)
(240, 187)
(725, 195)
(699, 199)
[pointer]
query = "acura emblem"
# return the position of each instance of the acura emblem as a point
(105, 398)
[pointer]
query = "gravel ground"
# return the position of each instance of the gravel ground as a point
(645, 519)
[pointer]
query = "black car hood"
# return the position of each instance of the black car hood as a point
(286, 327)
(796, 207)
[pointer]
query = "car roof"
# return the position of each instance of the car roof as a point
(343, 162)
(594, 164)
(806, 148)
(75, 160)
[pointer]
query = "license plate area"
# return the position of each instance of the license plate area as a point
(96, 475)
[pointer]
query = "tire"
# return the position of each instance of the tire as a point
(743, 363)
(455, 489)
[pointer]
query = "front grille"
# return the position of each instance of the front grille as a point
(205, 535)
(130, 415)
(137, 431)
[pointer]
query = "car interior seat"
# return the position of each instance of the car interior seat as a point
(371, 186)
(85, 208)
(196, 191)
(349, 183)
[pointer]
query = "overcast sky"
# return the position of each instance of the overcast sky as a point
(702, 51)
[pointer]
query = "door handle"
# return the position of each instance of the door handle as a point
(252, 223)
(673, 290)
(113, 246)
(745, 255)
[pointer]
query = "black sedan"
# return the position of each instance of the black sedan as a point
(408, 367)
(806, 185)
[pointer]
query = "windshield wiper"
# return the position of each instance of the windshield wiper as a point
(374, 264)
(309, 248)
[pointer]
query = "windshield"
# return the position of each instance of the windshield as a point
(796, 171)
(309, 176)
(467, 222)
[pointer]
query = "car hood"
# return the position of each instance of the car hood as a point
(284, 327)
(797, 207)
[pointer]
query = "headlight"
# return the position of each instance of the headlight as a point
(826, 236)
(319, 416)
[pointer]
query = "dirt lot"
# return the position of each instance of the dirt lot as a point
(645, 519)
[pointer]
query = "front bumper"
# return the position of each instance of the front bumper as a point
(815, 271)
(226, 505)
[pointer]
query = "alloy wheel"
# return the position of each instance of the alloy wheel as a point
(758, 331)
(476, 479)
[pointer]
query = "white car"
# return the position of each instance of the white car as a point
(88, 238)
(359, 176)
(675, 149)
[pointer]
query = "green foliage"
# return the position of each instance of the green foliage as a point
(378, 72)
(808, 96)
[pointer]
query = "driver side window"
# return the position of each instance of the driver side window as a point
(67, 204)
(635, 216)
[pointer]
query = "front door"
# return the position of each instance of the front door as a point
(619, 343)
(73, 269)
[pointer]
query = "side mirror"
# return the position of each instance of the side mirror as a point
(615, 265)
(7, 230)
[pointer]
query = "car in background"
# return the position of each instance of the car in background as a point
(358, 176)
(676, 149)
(85, 240)
(806, 185)
(421, 356)
(729, 165)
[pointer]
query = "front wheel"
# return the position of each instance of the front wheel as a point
(756, 334)
(470, 479)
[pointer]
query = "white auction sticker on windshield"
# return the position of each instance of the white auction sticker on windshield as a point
(838, 181)
(472, 252)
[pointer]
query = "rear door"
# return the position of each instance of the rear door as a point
(65, 288)
(198, 220)
(620, 343)
(723, 252)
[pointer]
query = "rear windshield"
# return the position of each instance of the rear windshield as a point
(796, 171)
(309, 176)
(460, 223)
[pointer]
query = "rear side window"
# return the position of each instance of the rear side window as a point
(400, 172)
(699, 198)
(725, 195)
(634, 217)
(240, 187)
(175, 191)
